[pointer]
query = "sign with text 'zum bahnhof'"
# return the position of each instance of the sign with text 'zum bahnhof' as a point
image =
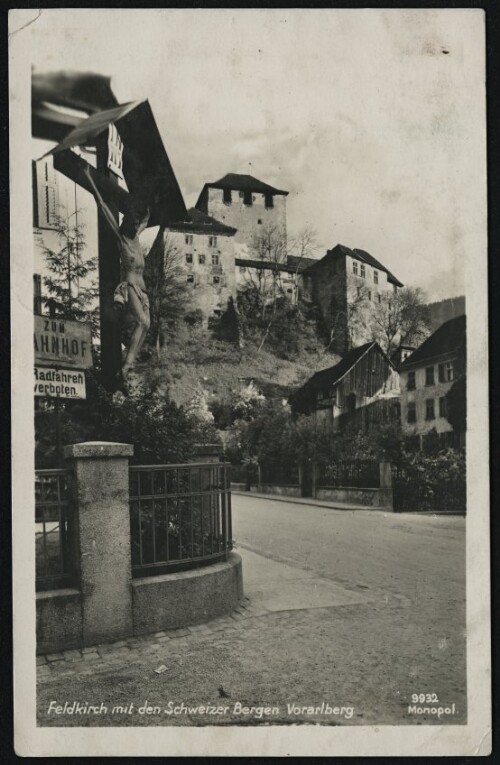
(63, 350)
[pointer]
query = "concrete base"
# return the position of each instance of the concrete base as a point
(59, 624)
(283, 490)
(188, 597)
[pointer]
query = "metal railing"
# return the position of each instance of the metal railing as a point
(180, 516)
(54, 530)
(287, 474)
(358, 474)
(417, 493)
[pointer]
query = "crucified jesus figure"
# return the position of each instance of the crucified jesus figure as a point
(131, 292)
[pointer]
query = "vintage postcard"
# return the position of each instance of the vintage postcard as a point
(250, 405)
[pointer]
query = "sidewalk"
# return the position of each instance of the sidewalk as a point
(296, 643)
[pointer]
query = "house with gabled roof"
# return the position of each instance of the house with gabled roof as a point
(359, 393)
(427, 377)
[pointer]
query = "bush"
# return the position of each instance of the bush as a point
(160, 431)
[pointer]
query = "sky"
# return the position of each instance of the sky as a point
(372, 120)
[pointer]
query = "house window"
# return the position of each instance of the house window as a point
(188, 239)
(355, 267)
(189, 257)
(363, 271)
(369, 295)
(247, 198)
(411, 414)
(379, 298)
(201, 260)
(215, 259)
(375, 277)
(410, 385)
(445, 372)
(212, 241)
(226, 195)
(269, 200)
(442, 406)
(429, 409)
(190, 278)
(46, 194)
(429, 375)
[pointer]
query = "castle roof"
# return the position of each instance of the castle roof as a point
(196, 222)
(448, 338)
(241, 183)
(362, 256)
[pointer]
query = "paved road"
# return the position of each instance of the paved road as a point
(357, 611)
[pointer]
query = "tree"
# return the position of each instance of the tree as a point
(401, 317)
(71, 291)
(166, 286)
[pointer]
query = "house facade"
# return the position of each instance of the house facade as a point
(427, 376)
(359, 393)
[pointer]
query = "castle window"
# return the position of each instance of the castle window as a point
(188, 239)
(259, 220)
(375, 277)
(190, 278)
(201, 259)
(189, 257)
(247, 198)
(212, 241)
(226, 195)
(411, 381)
(215, 259)
(269, 200)
(379, 298)
(369, 295)
(363, 271)
(429, 375)
(429, 409)
(411, 414)
(216, 280)
(355, 267)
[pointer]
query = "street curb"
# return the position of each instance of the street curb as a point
(313, 503)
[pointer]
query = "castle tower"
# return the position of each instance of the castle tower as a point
(246, 204)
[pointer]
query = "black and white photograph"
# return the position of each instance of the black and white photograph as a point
(250, 407)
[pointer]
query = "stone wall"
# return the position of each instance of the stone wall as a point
(247, 219)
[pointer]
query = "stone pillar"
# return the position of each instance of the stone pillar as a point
(206, 453)
(386, 499)
(103, 527)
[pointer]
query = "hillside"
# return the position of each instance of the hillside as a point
(443, 310)
(195, 363)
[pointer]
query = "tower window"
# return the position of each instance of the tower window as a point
(247, 198)
(259, 220)
(190, 278)
(212, 241)
(226, 195)
(216, 280)
(188, 239)
(215, 259)
(189, 257)
(269, 200)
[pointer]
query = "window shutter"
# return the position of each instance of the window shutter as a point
(46, 194)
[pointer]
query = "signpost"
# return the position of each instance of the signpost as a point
(63, 350)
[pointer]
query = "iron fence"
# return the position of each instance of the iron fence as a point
(284, 474)
(359, 474)
(180, 516)
(246, 474)
(54, 530)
